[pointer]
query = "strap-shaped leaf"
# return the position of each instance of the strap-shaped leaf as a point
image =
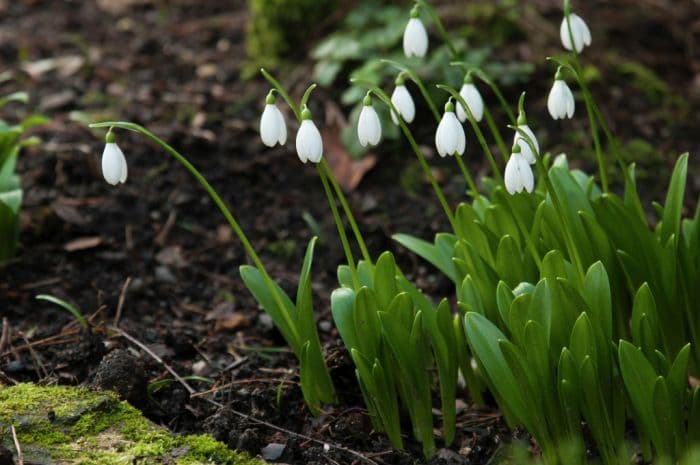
(438, 254)
(342, 308)
(673, 208)
(385, 280)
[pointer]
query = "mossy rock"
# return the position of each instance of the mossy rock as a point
(279, 28)
(71, 425)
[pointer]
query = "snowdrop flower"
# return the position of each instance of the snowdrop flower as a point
(561, 102)
(526, 150)
(471, 95)
(369, 128)
(450, 138)
(579, 30)
(273, 129)
(402, 100)
(309, 143)
(415, 37)
(518, 176)
(114, 167)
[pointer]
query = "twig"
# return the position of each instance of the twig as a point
(246, 381)
(5, 339)
(20, 457)
(155, 357)
(122, 298)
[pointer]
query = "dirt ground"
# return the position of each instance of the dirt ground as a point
(153, 259)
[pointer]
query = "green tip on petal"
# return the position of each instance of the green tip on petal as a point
(305, 114)
(367, 101)
(516, 148)
(449, 107)
(560, 74)
(414, 11)
(468, 79)
(110, 138)
(270, 99)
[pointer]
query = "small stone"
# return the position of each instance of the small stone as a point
(272, 451)
(164, 275)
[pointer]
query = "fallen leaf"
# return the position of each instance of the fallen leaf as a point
(226, 318)
(84, 243)
(172, 256)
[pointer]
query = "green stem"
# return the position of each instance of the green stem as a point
(415, 78)
(341, 229)
(470, 182)
(441, 28)
(421, 158)
(481, 74)
(602, 168)
(496, 133)
(558, 206)
(346, 208)
(282, 92)
(224, 210)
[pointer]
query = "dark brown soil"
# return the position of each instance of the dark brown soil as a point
(175, 67)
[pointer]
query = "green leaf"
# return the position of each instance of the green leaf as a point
(438, 254)
(21, 97)
(366, 322)
(385, 280)
(66, 306)
(596, 292)
(255, 282)
(483, 339)
(509, 262)
(673, 208)
(306, 323)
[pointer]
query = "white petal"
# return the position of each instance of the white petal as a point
(113, 163)
(511, 176)
(309, 143)
(269, 125)
(461, 137)
(525, 148)
(369, 128)
(556, 102)
(579, 30)
(415, 39)
(403, 102)
(471, 95)
(447, 135)
(527, 178)
(125, 168)
(281, 127)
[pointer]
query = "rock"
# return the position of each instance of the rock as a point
(123, 373)
(67, 425)
(272, 451)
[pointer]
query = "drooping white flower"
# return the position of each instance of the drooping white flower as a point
(561, 103)
(402, 100)
(114, 168)
(579, 30)
(415, 37)
(309, 143)
(273, 129)
(450, 138)
(369, 128)
(518, 139)
(518, 176)
(472, 97)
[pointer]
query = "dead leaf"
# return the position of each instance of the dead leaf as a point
(68, 213)
(348, 171)
(172, 256)
(84, 243)
(65, 65)
(226, 318)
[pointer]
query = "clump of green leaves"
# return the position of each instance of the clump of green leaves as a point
(12, 141)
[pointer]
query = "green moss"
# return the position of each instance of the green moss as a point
(68, 425)
(278, 28)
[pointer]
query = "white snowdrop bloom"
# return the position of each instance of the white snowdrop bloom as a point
(472, 97)
(273, 129)
(402, 100)
(561, 103)
(450, 138)
(415, 37)
(369, 128)
(114, 168)
(526, 150)
(518, 176)
(579, 30)
(309, 143)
